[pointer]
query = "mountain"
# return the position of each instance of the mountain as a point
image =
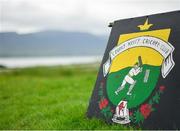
(51, 43)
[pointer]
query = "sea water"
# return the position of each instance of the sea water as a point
(21, 62)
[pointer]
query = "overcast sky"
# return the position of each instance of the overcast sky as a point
(92, 16)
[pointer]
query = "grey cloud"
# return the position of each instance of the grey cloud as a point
(77, 15)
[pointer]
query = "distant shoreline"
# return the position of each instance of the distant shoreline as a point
(22, 62)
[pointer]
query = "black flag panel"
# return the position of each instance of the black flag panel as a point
(138, 83)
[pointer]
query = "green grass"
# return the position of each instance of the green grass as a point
(115, 80)
(48, 98)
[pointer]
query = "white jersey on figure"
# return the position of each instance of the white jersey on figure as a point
(128, 79)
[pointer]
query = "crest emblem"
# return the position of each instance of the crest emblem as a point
(133, 69)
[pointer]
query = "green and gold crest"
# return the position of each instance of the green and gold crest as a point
(138, 80)
(134, 66)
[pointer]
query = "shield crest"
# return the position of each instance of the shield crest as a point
(135, 65)
(137, 78)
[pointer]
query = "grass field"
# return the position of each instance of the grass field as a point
(48, 98)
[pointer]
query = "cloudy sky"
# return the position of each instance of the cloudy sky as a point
(92, 16)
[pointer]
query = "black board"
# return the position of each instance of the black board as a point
(146, 96)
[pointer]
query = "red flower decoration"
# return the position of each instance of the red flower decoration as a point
(103, 103)
(145, 110)
(161, 88)
(130, 113)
